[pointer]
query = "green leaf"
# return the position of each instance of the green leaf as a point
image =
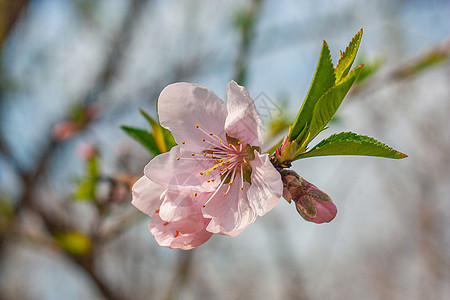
(87, 186)
(168, 139)
(73, 242)
(348, 57)
(163, 137)
(328, 104)
(274, 147)
(144, 137)
(157, 131)
(323, 80)
(349, 143)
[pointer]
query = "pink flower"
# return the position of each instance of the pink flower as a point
(185, 230)
(217, 165)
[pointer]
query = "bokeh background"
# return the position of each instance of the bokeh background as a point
(72, 72)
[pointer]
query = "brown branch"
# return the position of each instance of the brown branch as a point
(10, 11)
(436, 56)
(246, 25)
(31, 179)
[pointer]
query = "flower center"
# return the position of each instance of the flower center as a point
(231, 160)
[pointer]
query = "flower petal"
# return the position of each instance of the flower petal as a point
(181, 203)
(229, 214)
(243, 121)
(146, 195)
(266, 188)
(182, 106)
(172, 235)
(167, 169)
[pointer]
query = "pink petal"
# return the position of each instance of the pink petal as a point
(229, 214)
(182, 106)
(266, 188)
(174, 235)
(167, 169)
(181, 203)
(147, 195)
(243, 121)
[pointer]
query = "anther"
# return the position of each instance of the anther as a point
(242, 188)
(211, 133)
(212, 180)
(229, 145)
(224, 194)
(196, 126)
(166, 223)
(178, 158)
(203, 205)
(177, 233)
(157, 211)
(229, 183)
(239, 142)
(195, 194)
(220, 141)
(183, 142)
(204, 154)
(208, 181)
(201, 173)
(192, 154)
(245, 162)
(203, 140)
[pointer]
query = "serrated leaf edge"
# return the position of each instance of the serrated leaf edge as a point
(332, 139)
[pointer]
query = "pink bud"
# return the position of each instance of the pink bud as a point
(311, 203)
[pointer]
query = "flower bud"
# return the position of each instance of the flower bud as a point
(311, 203)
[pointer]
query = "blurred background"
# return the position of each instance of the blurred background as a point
(72, 72)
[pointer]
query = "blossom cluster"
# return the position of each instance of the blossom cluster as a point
(215, 181)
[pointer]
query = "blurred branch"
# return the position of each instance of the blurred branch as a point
(180, 275)
(10, 11)
(436, 56)
(245, 23)
(32, 178)
(119, 45)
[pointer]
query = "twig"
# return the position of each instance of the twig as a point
(247, 29)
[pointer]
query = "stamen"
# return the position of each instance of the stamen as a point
(193, 154)
(196, 126)
(213, 168)
(195, 194)
(183, 142)
(211, 134)
(177, 233)
(157, 211)
(203, 139)
(242, 179)
(201, 173)
(224, 194)
(166, 223)
(178, 158)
